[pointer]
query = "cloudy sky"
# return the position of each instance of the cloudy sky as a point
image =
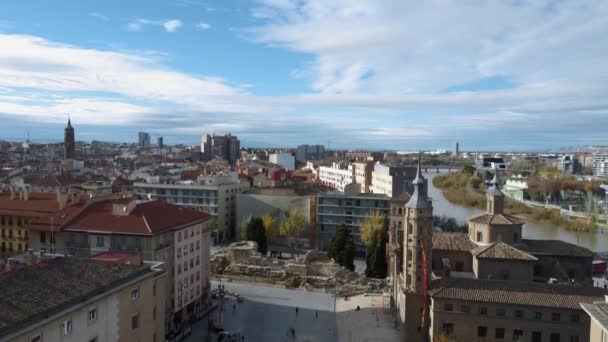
(509, 74)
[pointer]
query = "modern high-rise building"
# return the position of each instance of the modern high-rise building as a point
(456, 151)
(143, 139)
(69, 145)
(310, 152)
(226, 147)
(159, 142)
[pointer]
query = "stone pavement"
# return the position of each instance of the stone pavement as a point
(373, 322)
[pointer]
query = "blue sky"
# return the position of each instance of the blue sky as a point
(519, 75)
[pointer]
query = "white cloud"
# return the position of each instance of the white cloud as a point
(203, 26)
(169, 25)
(172, 25)
(99, 16)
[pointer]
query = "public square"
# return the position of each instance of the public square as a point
(268, 313)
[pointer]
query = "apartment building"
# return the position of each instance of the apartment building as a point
(155, 230)
(310, 152)
(334, 208)
(363, 174)
(336, 176)
(392, 180)
(226, 147)
(80, 300)
(213, 194)
(286, 160)
(598, 314)
(600, 164)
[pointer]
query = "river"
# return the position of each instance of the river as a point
(596, 241)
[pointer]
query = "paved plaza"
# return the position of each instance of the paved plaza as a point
(268, 313)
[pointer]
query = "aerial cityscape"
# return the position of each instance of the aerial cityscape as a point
(301, 170)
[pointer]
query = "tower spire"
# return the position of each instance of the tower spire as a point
(419, 198)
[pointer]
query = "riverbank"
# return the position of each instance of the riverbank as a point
(468, 190)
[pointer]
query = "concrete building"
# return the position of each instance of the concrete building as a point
(456, 151)
(334, 208)
(600, 164)
(598, 312)
(226, 147)
(568, 163)
(69, 145)
(486, 285)
(143, 139)
(337, 176)
(310, 152)
(392, 180)
(83, 301)
(154, 230)
(363, 174)
(286, 160)
(214, 194)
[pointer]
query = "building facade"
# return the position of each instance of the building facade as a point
(286, 160)
(105, 302)
(335, 208)
(226, 147)
(600, 164)
(392, 180)
(215, 195)
(310, 152)
(143, 139)
(337, 176)
(598, 314)
(363, 174)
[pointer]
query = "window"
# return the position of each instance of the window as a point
(483, 310)
(191, 263)
(518, 314)
(555, 316)
(154, 313)
(191, 279)
(192, 247)
(479, 236)
(66, 327)
(179, 236)
(500, 312)
(135, 294)
(100, 241)
(537, 336)
(500, 333)
(554, 337)
(192, 233)
(482, 331)
(198, 244)
(198, 259)
(538, 315)
(36, 338)
(515, 237)
(448, 328)
(447, 307)
(575, 318)
(135, 322)
(92, 315)
(179, 268)
(465, 308)
(518, 335)
(179, 252)
(185, 266)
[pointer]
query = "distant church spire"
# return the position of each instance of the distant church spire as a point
(69, 145)
(419, 198)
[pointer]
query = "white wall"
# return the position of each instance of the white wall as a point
(286, 160)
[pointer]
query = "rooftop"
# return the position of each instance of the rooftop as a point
(518, 293)
(553, 247)
(500, 250)
(598, 312)
(148, 218)
(51, 286)
(496, 219)
(453, 242)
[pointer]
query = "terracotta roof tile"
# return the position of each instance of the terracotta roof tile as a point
(501, 250)
(518, 293)
(453, 242)
(496, 219)
(553, 247)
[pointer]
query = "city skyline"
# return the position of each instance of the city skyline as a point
(527, 76)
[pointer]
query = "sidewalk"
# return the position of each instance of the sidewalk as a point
(373, 322)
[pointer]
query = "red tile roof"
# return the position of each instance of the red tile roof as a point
(149, 218)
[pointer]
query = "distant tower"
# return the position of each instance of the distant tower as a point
(418, 239)
(159, 142)
(68, 141)
(456, 151)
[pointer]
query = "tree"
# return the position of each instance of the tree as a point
(468, 169)
(342, 247)
(376, 258)
(255, 232)
(269, 227)
(371, 228)
(293, 226)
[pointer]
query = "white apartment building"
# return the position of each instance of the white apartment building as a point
(214, 194)
(600, 164)
(286, 160)
(392, 180)
(363, 174)
(336, 176)
(191, 260)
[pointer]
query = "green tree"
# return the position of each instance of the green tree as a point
(293, 226)
(255, 232)
(342, 247)
(468, 169)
